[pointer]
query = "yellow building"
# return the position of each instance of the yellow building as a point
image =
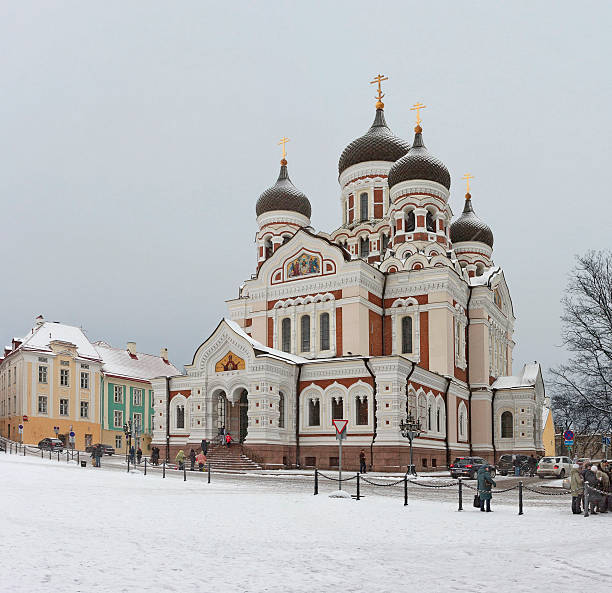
(548, 432)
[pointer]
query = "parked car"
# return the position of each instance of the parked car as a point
(51, 445)
(468, 466)
(106, 449)
(554, 467)
(505, 465)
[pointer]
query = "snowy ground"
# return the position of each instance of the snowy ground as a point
(69, 529)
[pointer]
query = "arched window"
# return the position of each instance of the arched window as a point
(438, 423)
(384, 242)
(430, 222)
(422, 410)
(324, 331)
(305, 333)
(462, 422)
(409, 222)
(269, 248)
(479, 269)
(286, 238)
(337, 408)
(281, 409)
(180, 416)
(363, 207)
(314, 412)
(286, 335)
(364, 247)
(407, 335)
(506, 425)
(361, 405)
(429, 423)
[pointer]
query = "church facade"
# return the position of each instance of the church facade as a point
(400, 310)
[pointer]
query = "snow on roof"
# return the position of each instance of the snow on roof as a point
(484, 279)
(259, 346)
(545, 414)
(527, 378)
(42, 336)
(118, 362)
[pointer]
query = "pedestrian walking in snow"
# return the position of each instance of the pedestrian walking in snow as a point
(204, 446)
(577, 489)
(516, 462)
(99, 453)
(591, 487)
(485, 482)
(604, 480)
(362, 462)
(533, 464)
(180, 459)
(132, 455)
(154, 455)
(201, 459)
(192, 459)
(138, 455)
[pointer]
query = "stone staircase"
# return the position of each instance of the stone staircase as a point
(229, 458)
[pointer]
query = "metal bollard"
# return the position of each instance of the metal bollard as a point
(128, 460)
(24, 451)
(58, 455)
(164, 469)
(586, 499)
(67, 456)
(184, 472)
(357, 487)
(406, 490)
(316, 483)
(145, 473)
(520, 498)
(42, 454)
(209, 472)
(460, 495)
(78, 458)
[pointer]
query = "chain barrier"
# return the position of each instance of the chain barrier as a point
(475, 489)
(546, 493)
(433, 485)
(336, 479)
(401, 481)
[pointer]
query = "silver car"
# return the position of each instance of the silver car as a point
(554, 467)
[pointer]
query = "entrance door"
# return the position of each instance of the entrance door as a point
(244, 416)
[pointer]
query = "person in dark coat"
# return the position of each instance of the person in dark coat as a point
(132, 454)
(576, 488)
(138, 454)
(485, 482)
(533, 464)
(516, 462)
(362, 462)
(98, 455)
(591, 485)
(204, 446)
(192, 458)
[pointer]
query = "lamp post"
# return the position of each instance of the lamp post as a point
(410, 429)
(127, 429)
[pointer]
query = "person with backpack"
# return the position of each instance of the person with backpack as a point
(577, 489)
(201, 459)
(485, 483)
(180, 459)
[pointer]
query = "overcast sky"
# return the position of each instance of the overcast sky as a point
(136, 137)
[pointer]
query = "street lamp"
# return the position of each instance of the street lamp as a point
(410, 429)
(127, 429)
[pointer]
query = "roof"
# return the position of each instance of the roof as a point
(283, 195)
(468, 227)
(527, 378)
(485, 278)
(41, 337)
(118, 362)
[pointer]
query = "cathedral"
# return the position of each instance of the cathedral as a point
(400, 311)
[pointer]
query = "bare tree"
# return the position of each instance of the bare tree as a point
(583, 385)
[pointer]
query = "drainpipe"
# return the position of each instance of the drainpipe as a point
(448, 455)
(382, 337)
(408, 381)
(494, 393)
(167, 419)
(367, 366)
(297, 415)
(467, 369)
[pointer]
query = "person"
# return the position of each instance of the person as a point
(180, 459)
(201, 459)
(94, 455)
(577, 489)
(192, 459)
(132, 454)
(485, 482)
(154, 455)
(228, 439)
(204, 447)
(591, 487)
(138, 455)
(362, 462)
(516, 462)
(604, 480)
(533, 464)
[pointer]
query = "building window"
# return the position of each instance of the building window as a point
(462, 422)
(118, 419)
(286, 238)
(88, 440)
(286, 335)
(84, 380)
(281, 410)
(429, 423)
(438, 420)
(63, 410)
(384, 242)
(337, 408)
(118, 443)
(42, 404)
(506, 425)
(268, 248)
(363, 206)
(314, 413)
(305, 331)
(137, 397)
(362, 410)
(430, 222)
(409, 222)
(180, 416)
(364, 247)
(118, 391)
(324, 322)
(137, 423)
(406, 335)
(64, 377)
(84, 409)
(42, 373)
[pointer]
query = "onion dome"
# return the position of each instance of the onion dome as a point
(377, 144)
(419, 164)
(283, 195)
(468, 227)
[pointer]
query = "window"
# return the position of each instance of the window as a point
(42, 373)
(88, 440)
(364, 247)
(337, 408)
(361, 405)
(305, 331)
(64, 377)
(84, 409)
(42, 404)
(438, 420)
(324, 322)
(314, 413)
(406, 335)
(384, 242)
(268, 248)
(118, 390)
(286, 335)
(286, 238)
(429, 423)
(506, 425)
(409, 222)
(84, 366)
(137, 423)
(180, 416)
(118, 419)
(63, 410)
(430, 222)
(117, 441)
(462, 422)
(422, 410)
(363, 206)
(137, 397)
(281, 410)
(84, 380)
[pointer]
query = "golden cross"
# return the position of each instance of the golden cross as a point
(467, 178)
(378, 79)
(284, 141)
(417, 107)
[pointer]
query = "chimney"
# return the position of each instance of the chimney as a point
(164, 354)
(131, 348)
(39, 321)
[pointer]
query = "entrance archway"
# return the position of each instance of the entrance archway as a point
(244, 415)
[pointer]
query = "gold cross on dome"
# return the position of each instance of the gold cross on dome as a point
(284, 141)
(417, 107)
(378, 79)
(467, 178)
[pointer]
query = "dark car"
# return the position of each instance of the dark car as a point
(106, 449)
(51, 445)
(505, 465)
(467, 466)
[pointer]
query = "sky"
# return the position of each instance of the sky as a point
(136, 137)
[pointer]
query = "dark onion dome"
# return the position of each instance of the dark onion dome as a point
(377, 144)
(419, 164)
(283, 195)
(468, 227)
